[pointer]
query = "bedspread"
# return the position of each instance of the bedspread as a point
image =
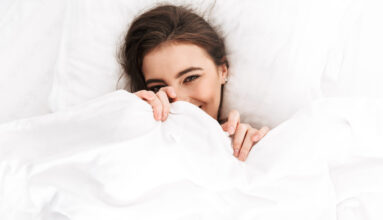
(109, 159)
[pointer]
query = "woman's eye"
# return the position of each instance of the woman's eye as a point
(155, 89)
(190, 78)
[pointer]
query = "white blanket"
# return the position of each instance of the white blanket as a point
(109, 159)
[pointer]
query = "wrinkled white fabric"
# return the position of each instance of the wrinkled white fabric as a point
(109, 159)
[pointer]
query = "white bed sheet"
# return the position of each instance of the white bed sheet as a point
(109, 159)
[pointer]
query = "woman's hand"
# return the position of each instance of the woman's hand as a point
(159, 101)
(244, 136)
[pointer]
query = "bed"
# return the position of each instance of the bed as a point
(75, 145)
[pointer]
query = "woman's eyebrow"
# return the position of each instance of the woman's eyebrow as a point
(181, 73)
(154, 81)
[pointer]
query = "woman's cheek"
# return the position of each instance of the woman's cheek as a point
(205, 91)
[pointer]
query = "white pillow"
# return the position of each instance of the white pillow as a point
(293, 52)
(283, 54)
(30, 34)
(88, 66)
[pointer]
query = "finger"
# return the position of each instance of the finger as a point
(260, 134)
(157, 108)
(165, 104)
(224, 126)
(233, 121)
(248, 143)
(239, 137)
(153, 100)
(170, 91)
(146, 95)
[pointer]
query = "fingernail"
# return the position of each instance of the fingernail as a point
(256, 137)
(158, 115)
(231, 130)
(236, 151)
(164, 116)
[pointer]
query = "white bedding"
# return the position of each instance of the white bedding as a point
(283, 54)
(109, 159)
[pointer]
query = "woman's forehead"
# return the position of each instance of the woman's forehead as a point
(172, 58)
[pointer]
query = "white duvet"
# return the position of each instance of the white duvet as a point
(109, 159)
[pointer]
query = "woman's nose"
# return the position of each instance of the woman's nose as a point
(180, 96)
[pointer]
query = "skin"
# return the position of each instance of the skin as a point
(186, 72)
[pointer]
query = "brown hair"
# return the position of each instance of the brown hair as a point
(166, 23)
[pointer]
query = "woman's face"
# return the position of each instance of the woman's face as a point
(189, 70)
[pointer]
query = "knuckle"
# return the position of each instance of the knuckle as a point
(160, 93)
(242, 126)
(150, 93)
(140, 93)
(157, 103)
(157, 100)
(237, 144)
(233, 119)
(234, 114)
(234, 111)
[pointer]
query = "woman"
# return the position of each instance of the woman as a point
(170, 54)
